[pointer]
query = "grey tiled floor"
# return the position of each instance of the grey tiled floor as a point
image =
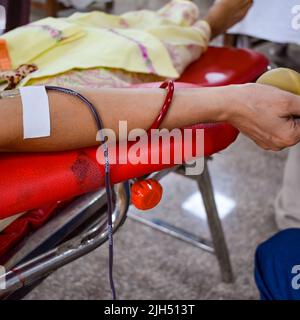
(150, 265)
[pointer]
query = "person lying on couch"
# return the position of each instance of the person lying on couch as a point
(262, 113)
(96, 50)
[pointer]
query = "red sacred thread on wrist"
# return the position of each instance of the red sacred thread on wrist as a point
(169, 86)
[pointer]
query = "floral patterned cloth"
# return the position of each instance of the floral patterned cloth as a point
(101, 50)
(184, 12)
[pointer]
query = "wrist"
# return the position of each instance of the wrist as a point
(232, 100)
(215, 18)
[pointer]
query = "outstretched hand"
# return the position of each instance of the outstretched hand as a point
(267, 115)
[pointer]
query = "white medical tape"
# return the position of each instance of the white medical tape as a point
(36, 113)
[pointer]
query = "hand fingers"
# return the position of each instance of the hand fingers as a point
(293, 105)
(281, 137)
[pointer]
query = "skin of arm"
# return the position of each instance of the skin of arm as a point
(72, 124)
(263, 113)
(226, 13)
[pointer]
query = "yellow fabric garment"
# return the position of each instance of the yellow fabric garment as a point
(28, 42)
(133, 42)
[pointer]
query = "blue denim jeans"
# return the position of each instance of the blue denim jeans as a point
(277, 266)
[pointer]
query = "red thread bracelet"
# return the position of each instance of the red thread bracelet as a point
(169, 86)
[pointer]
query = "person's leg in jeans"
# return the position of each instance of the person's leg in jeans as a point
(277, 266)
(287, 204)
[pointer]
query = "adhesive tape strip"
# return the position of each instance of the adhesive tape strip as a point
(36, 113)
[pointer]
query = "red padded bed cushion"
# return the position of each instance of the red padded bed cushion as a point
(30, 181)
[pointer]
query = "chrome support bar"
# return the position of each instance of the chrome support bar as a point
(175, 232)
(44, 264)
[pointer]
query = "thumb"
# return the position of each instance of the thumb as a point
(294, 107)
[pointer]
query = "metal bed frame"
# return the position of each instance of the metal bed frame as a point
(81, 228)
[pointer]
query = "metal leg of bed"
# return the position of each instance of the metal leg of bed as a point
(218, 244)
(215, 225)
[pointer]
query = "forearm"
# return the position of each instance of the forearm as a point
(72, 125)
(226, 13)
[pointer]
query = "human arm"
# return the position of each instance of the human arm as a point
(263, 113)
(72, 124)
(226, 13)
